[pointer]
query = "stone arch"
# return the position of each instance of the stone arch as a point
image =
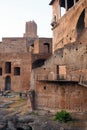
(79, 14)
(81, 23)
(7, 83)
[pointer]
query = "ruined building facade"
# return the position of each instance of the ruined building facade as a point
(17, 55)
(55, 75)
(61, 83)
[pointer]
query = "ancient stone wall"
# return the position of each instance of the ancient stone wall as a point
(54, 93)
(73, 56)
(43, 46)
(61, 83)
(54, 96)
(20, 81)
(66, 29)
(17, 54)
(31, 29)
(14, 51)
(36, 48)
(13, 45)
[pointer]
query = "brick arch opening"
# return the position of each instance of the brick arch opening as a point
(7, 83)
(81, 23)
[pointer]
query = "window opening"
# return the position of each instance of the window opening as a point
(67, 4)
(0, 71)
(17, 71)
(61, 72)
(8, 67)
(62, 11)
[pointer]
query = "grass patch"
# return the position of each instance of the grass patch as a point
(62, 116)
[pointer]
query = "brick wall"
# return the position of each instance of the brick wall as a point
(18, 82)
(57, 96)
(13, 45)
(43, 45)
(66, 29)
(31, 29)
(73, 56)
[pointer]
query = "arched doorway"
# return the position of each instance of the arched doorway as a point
(8, 83)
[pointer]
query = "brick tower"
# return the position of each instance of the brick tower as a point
(31, 29)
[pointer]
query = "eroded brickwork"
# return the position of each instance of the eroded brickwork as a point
(17, 56)
(69, 27)
(13, 45)
(31, 29)
(20, 79)
(57, 96)
(61, 82)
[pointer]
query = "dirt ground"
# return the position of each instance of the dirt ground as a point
(14, 112)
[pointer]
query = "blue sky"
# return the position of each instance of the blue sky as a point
(14, 14)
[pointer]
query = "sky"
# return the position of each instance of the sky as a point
(15, 13)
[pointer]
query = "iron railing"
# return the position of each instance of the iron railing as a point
(57, 77)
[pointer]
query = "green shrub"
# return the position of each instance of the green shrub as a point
(62, 116)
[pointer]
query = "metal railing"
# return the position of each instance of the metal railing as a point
(83, 80)
(54, 77)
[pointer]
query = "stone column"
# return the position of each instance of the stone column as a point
(66, 7)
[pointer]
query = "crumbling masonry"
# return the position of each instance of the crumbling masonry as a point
(55, 80)
(17, 57)
(61, 83)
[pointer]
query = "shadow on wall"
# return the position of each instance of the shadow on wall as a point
(38, 63)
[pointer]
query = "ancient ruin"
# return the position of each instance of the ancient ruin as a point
(40, 76)
(61, 83)
(53, 73)
(18, 57)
